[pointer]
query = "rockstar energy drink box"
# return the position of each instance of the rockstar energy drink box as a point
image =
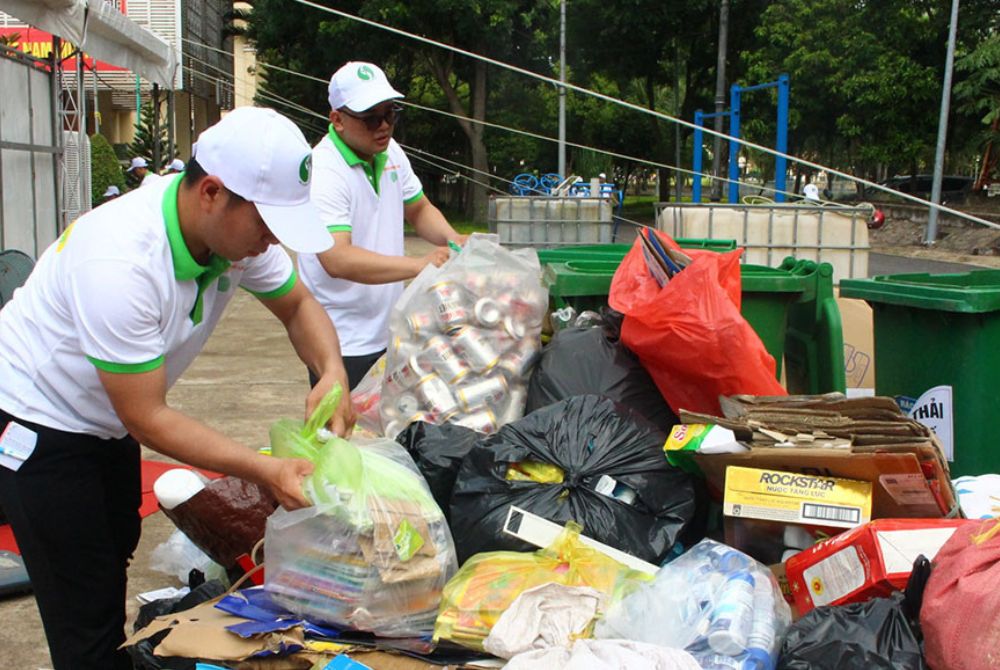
(788, 497)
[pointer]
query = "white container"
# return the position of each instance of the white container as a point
(769, 233)
(550, 221)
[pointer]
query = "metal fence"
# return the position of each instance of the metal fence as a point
(30, 154)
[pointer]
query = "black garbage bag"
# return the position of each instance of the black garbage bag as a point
(438, 451)
(613, 479)
(142, 654)
(874, 635)
(579, 361)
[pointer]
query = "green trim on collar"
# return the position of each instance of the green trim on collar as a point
(185, 266)
(418, 196)
(278, 292)
(217, 266)
(339, 228)
(372, 172)
(126, 368)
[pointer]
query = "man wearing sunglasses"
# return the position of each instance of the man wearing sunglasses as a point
(364, 188)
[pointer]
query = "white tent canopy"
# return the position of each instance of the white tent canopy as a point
(102, 32)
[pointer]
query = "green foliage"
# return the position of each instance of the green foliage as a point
(979, 92)
(145, 138)
(105, 170)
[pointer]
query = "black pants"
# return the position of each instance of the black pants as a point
(357, 367)
(74, 509)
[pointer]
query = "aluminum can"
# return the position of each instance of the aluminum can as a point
(475, 283)
(477, 350)
(436, 396)
(450, 305)
(421, 323)
(517, 398)
(488, 313)
(407, 404)
(515, 327)
(406, 375)
(486, 390)
(439, 355)
(482, 422)
(519, 359)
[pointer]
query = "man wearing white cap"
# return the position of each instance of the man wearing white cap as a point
(364, 188)
(111, 316)
(110, 193)
(176, 167)
(140, 169)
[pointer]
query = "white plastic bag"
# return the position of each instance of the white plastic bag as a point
(373, 553)
(179, 555)
(715, 602)
(464, 338)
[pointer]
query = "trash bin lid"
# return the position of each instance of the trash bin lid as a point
(969, 292)
(762, 279)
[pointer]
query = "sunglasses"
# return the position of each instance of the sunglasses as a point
(374, 121)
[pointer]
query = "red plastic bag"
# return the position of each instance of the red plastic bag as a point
(690, 334)
(960, 615)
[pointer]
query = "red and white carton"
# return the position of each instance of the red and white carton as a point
(867, 562)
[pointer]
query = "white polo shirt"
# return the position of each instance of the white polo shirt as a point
(118, 291)
(366, 201)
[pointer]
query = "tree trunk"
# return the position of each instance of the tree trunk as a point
(441, 65)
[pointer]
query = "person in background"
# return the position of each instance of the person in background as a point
(364, 188)
(110, 193)
(139, 169)
(113, 313)
(176, 167)
(811, 192)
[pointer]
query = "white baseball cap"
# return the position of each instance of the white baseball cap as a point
(360, 86)
(110, 191)
(137, 162)
(177, 165)
(263, 157)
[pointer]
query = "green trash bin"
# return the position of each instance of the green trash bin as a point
(616, 252)
(941, 331)
(791, 308)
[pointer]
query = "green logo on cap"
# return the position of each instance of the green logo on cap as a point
(366, 73)
(305, 167)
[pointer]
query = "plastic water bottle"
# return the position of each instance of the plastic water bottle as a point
(732, 617)
(760, 643)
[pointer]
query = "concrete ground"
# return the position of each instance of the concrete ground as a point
(247, 377)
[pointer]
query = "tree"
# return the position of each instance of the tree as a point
(145, 137)
(316, 43)
(105, 170)
(979, 94)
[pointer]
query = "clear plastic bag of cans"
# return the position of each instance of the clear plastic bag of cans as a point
(463, 339)
(715, 602)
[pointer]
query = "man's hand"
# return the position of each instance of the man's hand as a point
(284, 479)
(344, 417)
(437, 258)
(460, 240)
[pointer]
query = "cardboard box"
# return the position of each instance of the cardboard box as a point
(859, 344)
(866, 562)
(760, 505)
(788, 497)
(900, 488)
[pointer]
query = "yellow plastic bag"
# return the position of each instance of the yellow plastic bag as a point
(488, 583)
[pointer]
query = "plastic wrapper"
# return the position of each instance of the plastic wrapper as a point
(438, 452)
(374, 551)
(464, 338)
(875, 635)
(586, 459)
(489, 582)
(690, 334)
(579, 361)
(178, 556)
(366, 398)
(715, 602)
